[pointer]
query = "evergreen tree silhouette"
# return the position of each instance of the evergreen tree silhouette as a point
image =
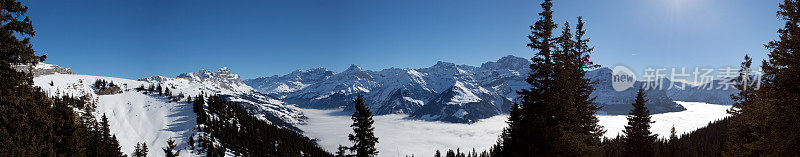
(363, 138)
(170, 150)
(740, 133)
(771, 119)
(556, 115)
(140, 150)
(638, 139)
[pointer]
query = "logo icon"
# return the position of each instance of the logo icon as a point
(622, 78)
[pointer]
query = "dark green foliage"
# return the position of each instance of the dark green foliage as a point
(237, 131)
(24, 110)
(768, 124)
(706, 141)
(191, 142)
(150, 89)
(363, 137)
(167, 92)
(140, 88)
(555, 116)
(31, 123)
(458, 153)
(740, 133)
(103, 87)
(199, 110)
(670, 147)
(140, 150)
(169, 150)
(108, 144)
(160, 89)
(638, 139)
(340, 151)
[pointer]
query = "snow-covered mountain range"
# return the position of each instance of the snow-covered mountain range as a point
(442, 92)
(230, 86)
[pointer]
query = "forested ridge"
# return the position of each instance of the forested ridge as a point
(225, 126)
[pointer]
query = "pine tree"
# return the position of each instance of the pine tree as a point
(167, 92)
(672, 144)
(771, 119)
(363, 138)
(511, 133)
(151, 88)
(31, 123)
(538, 114)
(140, 150)
(740, 133)
(438, 154)
(556, 115)
(581, 133)
(23, 108)
(110, 145)
(197, 107)
(191, 141)
(340, 151)
(170, 150)
(638, 139)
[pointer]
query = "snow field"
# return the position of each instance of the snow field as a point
(133, 116)
(399, 136)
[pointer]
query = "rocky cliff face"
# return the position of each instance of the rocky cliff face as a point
(230, 86)
(43, 69)
(615, 102)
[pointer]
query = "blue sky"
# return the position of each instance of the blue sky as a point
(135, 39)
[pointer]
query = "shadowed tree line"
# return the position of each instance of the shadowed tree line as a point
(31, 123)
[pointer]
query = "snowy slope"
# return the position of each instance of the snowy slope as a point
(133, 116)
(230, 86)
(137, 117)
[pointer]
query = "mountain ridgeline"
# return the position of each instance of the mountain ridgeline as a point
(446, 91)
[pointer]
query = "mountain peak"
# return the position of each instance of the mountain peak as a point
(353, 67)
(507, 62)
(318, 69)
(223, 70)
(444, 64)
(42, 69)
(203, 74)
(511, 59)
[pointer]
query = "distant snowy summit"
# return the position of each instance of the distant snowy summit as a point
(443, 92)
(42, 69)
(230, 86)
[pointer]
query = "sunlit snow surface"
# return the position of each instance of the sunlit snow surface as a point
(697, 115)
(133, 116)
(399, 136)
